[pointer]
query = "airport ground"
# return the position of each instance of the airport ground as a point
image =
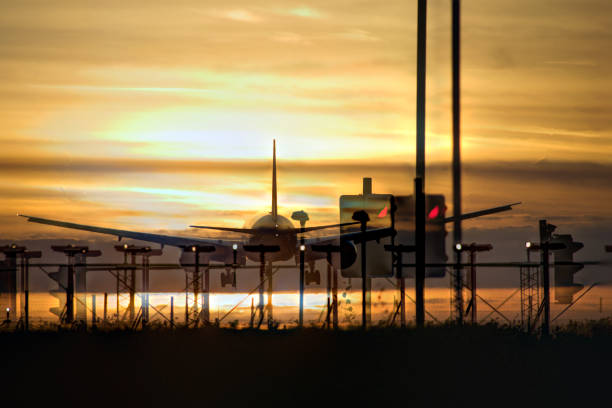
(488, 365)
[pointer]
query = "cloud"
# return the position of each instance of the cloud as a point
(291, 38)
(242, 15)
(358, 35)
(576, 63)
(306, 12)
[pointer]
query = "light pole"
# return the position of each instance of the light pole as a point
(363, 218)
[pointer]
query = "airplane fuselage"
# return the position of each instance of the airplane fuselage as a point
(274, 230)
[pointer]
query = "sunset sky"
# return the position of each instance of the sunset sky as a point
(154, 115)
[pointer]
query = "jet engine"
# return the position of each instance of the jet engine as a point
(348, 255)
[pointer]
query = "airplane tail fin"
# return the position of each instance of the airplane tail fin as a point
(274, 201)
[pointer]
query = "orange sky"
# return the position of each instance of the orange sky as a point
(141, 114)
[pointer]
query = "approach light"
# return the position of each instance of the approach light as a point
(302, 247)
(235, 247)
(125, 246)
(458, 246)
(534, 246)
(193, 249)
(8, 309)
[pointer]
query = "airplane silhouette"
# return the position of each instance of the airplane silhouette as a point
(270, 229)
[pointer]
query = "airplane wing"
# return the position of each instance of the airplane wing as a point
(356, 236)
(257, 231)
(482, 212)
(227, 229)
(142, 236)
(320, 227)
(378, 233)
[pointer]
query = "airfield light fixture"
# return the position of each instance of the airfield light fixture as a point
(458, 247)
(235, 250)
(532, 246)
(302, 247)
(193, 249)
(125, 246)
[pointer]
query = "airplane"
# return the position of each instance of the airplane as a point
(270, 229)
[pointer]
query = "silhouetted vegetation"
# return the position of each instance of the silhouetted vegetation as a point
(438, 365)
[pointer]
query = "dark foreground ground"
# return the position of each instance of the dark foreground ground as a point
(436, 366)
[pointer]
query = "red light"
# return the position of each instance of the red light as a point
(434, 213)
(383, 213)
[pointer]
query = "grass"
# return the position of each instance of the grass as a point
(440, 365)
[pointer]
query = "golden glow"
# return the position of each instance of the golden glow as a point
(153, 115)
(286, 305)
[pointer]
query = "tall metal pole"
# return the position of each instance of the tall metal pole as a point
(420, 103)
(206, 297)
(364, 278)
(70, 292)
(402, 287)
(419, 281)
(473, 286)
(132, 305)
(93, 311)
(262, 271)
(105, 306)
(529, 294)
(457, 285)
(172, 311)
(334, 296)
(269, 306)
(457, 233)
(420, 162)
(196, 286)
(147, 296)
(545, 277)
(27, 310)
(118, 305)
(252, 313)
(301, 315)
(329, 301)
(456, 37)
(22, 289)
(26, 291)
(186, 298)
(145, 290)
